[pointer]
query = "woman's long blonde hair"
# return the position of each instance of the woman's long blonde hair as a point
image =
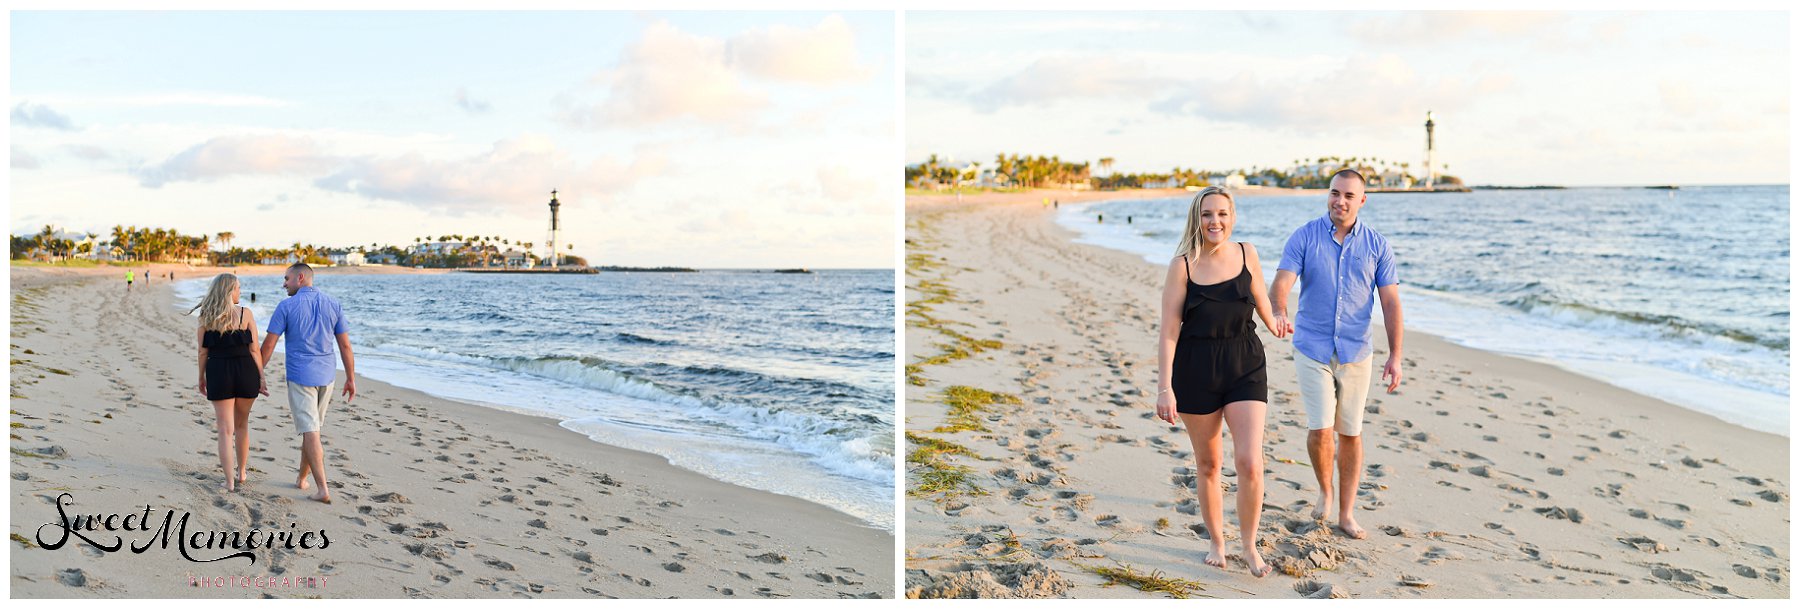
(217, 312)
(1190, 239)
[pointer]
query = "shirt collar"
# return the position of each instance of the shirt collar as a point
(1331, 229)
(304, 290)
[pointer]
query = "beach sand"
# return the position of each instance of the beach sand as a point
(1487, 476)
(432, 498)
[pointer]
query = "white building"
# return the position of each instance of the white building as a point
(1235, 180)
(346, 258)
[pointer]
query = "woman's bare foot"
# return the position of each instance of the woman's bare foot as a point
(227, 486)
(1347, 524)
(301, 482)
(1254, 559)
(321, 497)
(1216, 557)
(243, 476)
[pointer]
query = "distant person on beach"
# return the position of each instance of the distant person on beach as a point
(1210, 364)
(230, 372)
(129, 275)
(314, 324)
(1342, 264)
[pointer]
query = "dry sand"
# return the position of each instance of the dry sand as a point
(432, 498)
(1487, 476)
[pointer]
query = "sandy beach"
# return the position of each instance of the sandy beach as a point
(432, 498)
(1035, 464)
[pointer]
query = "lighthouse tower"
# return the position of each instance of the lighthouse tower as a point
(554, 206)
(1430, 152)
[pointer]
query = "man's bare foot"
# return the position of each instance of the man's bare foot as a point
(1318, 511)
(1348, 526)
(301, 482)
(1254, 559)
(321, 497)
(1216, 557)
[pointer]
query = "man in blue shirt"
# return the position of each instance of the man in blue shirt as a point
(313, 323)
(1341, 265)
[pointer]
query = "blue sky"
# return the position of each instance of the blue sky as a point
(697, 139)
(1520, 98)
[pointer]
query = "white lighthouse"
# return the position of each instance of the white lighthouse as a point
(1430, 152)
(554, 206)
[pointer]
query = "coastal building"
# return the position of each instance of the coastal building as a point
(439, 248)
(345, 258)
(1235, 180)
(288, 258)
(515, 259)
(380, 258)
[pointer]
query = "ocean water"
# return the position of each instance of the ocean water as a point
(1681, 295)
(779, 382)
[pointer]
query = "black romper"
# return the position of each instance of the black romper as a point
(1219, 359)
(230, 371)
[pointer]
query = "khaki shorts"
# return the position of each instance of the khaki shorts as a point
(308, 405)
(1334, 393)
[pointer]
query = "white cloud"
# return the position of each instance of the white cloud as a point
(1051, 79)
(471, 105)
(670, 75)
(238, 155)
(1366, 92)
(39, 115)
(24, 160)
(823, 54)
(89, 153)
(1427, 27)
(516, 172)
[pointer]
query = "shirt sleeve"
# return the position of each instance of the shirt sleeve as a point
(341, 327)
(1293, 255)
(1385, 273)
(278, 320)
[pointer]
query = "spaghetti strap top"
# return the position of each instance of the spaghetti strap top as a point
(1219, 311)
(228, 344)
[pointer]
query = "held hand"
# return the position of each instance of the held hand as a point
(1391, 373)
(1165, 406)
(1283, 327)
(202, 387)
(262, 387)
(349, 389)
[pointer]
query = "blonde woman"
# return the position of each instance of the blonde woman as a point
(1211, 368)
(230, 372)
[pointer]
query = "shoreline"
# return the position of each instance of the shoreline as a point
(1756, 408)
(1486, 475)
(592, 411)
(431, 496)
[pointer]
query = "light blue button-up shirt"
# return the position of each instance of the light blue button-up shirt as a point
(1337, 287)
(311, 321)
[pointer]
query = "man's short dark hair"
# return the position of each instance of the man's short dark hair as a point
(1350, 173)
(304, 269)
